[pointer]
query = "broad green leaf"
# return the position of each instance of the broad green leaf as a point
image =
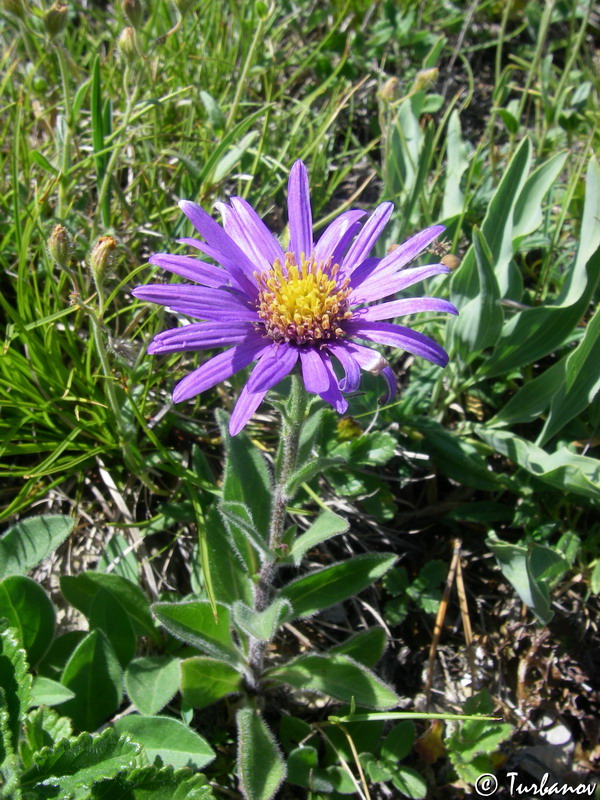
(167, 738)
(29, 610)
(119, 557)
(239, 521)
(331, 585)
(80, 590)
(580, 385)
(233, 157)
(366, 647)
(303, 770)
(480, 322)
(457, 163)
(410, 783)
(47, 692)
(261, 624)
(215, 115)
(151, 682)
(15, 681)
(595, 578)
(562, 469)
(73, 766)
(261, 767)
(32, 540)
(93, 673)
(154, 783)
(535, 332)
(307, 470)
(324, 527)
(230, 579)
(337, 676)
(533, 398)
(107, 613)
(59, 652)
(193, 622)
(398, 742)
(529, 569)
(528, 209)
(205, 680)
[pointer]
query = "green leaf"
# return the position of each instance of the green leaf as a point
(15, 682)
(47, 692)
(214, 113)
(331, 585)
(595, 579)
(261, 766)
(118, 555)
(167, 738)
(535, 332)
(580, 384)
(562, 469)
(152, 783)
(151, 682)
(480, 322)
(42, 728)
(107, 613)
(239, 522)
(193, 622)
(398, 742)
(366, 647)
(205, 680)
(528, 209)
(457, 163)
(9, 761)
(93, 673)
(303, 770)
(308, 470)
(32, 540)
(233, 157)
(337, 676)
(323, 528)
(29, 610)
(230, 580)
(261, 624)
(80, 591)
(59, 652)
(410, 783)
(73, 766)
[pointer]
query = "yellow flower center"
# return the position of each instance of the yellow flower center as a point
(303, 303)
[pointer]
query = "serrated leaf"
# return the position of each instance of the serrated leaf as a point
(323, 528)
(47, 692)
(9, 761)
(30, 541)
(30, 612)
(337, 676)
(15, 679)
(260, 764)
(193, 622)
(168, 738)
(153, 783)
(205, 680)
(94, 674)
(261, 624)
(73, 766)
(151, 682)
(43, 727)
(80, 591)
(331, 585)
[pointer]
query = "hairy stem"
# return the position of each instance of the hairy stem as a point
(290, 431)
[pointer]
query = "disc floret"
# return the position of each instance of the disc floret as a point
(303, 303)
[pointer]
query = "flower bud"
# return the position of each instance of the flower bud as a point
(134, 12)
(389, 90)
(100, 258)
(59, 246)
(15, 7)
(55, 19)
(425, 78)
(127, 45)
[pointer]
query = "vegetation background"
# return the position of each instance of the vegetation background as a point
(483, 116)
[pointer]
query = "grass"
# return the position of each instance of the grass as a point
(422, 104)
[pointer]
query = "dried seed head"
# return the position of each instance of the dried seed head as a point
(100, 258)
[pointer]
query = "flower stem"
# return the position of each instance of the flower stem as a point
(291, 428)
(66, 144)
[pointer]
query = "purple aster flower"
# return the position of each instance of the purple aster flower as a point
(305, 306)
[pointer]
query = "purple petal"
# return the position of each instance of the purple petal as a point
(351, 381)
(314, 372)
(221, 246)
(377, 287)
(239, 231)
(191, 268)
(404, 254)
(364, 242)
(198, 301)
(332, 394)
(299, 212)
(392, 385)
(272, 368)
(368, 359)
(246, 405)
(337, 236)
(202, 336)
(258, 231)
(399, 336)
(219, 368)
(408, 305)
